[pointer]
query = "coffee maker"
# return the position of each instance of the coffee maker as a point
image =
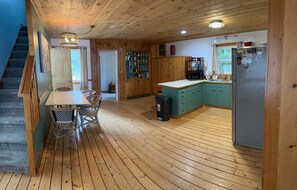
(195, 68)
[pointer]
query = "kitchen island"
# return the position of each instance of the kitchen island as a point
(188, 95)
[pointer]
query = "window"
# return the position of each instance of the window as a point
(224, 58)
(75, 64)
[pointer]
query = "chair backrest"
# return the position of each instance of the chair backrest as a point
(63, 115)
(96, 101)
(63, 89)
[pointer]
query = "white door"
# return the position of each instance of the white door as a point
(61, 68)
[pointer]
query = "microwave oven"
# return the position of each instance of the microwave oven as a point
(195, 75)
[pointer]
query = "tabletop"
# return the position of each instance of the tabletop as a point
(66, 98)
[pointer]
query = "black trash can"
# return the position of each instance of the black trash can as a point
(163, 106)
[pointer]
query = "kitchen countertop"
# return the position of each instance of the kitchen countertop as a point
(185, 83)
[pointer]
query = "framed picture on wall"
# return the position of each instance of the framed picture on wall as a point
(44, 53)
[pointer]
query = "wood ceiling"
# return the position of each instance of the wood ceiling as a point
(150, 20)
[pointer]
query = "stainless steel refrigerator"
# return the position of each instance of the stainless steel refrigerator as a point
(248, 89)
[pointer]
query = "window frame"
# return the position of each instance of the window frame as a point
(224, 45)
(79, 64)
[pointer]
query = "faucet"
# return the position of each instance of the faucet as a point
(222, 76)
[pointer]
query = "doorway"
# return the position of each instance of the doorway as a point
(109, 74)
(69, 67)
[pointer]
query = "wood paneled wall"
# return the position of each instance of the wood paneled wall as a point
(280, 143)
(154, 50)
(165, 69)
(121, 46)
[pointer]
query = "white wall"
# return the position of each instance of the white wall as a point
(81, 43)
(108, 68)
(203, 47)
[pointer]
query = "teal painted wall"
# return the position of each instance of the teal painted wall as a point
(12, 16)
(44, 80)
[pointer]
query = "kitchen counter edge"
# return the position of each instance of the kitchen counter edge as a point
(179, 84)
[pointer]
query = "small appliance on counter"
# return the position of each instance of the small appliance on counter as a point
(195, 68)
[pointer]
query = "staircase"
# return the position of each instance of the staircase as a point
(13, 146)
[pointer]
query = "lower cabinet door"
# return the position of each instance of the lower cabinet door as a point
(224, 97)
(192, 100)
(182, 110)
(200, 97)
(211, 96)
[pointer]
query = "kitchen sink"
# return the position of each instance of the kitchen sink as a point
(220, 80)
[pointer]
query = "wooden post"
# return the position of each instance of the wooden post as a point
(95, 68)
(30, 27)
(280, 143)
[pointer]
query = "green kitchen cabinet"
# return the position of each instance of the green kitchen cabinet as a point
(218, 95)
(224, 95)
(179, 99)
(200, 95)
(195, 96)
(211, 95)
(191, 97)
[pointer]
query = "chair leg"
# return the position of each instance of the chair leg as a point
(97, 120)
(81, 121)
(56, 143)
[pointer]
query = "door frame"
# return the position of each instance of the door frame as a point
(117, 68)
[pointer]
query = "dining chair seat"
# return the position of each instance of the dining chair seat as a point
(88, 111)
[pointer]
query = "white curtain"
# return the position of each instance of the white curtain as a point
(84, 68)
(214, 58)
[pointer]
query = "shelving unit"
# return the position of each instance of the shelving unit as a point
(138, 81)
(137, 65)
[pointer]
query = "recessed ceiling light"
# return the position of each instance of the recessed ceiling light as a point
(216, 24)
(183, 32)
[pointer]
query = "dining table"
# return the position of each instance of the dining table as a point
(67, 98)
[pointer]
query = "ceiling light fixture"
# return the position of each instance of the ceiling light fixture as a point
(216, 24)
(183, 32)
(70, 39)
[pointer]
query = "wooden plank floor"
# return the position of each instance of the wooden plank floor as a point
(133, 150)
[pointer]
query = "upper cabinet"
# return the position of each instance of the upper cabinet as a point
(137, 65)
(158, 50)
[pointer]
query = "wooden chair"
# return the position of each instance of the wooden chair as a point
(90, 114)
(89, 95)
(63, 89)
(65, 122)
